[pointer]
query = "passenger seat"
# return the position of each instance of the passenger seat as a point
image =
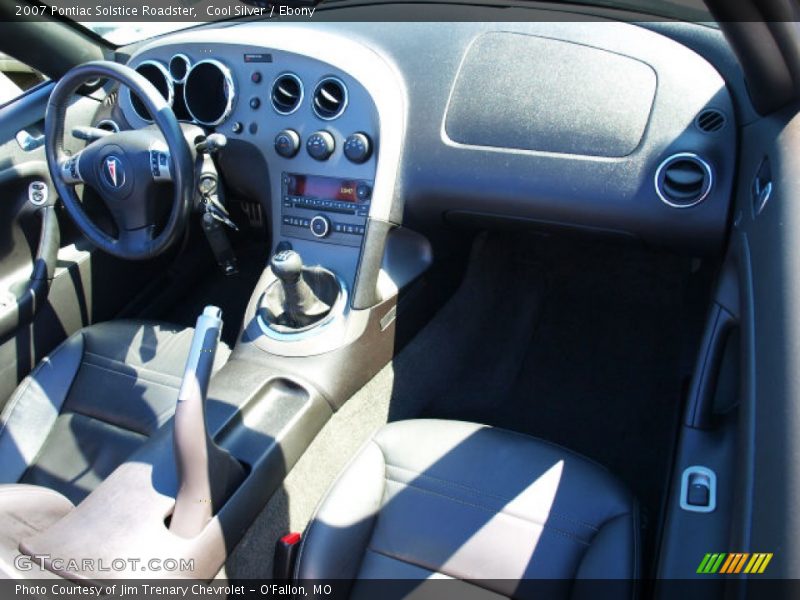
(432, 498)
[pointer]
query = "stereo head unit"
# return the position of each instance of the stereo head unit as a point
(325, 209)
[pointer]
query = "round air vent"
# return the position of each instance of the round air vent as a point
(710, 120)
(683, 180)
(287, 93)
(330, 98)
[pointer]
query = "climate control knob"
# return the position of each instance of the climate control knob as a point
(320, 226)
(287, 143)
(320, 145)
(357, 148)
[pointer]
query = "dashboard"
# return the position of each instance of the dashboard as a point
(306, 136)
(343, 130)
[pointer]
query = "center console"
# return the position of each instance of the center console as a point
(325, 209)
(314, 136)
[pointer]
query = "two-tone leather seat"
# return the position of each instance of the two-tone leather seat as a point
(432, 498)
(91, 403)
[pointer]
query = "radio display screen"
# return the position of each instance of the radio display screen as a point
(326, 188)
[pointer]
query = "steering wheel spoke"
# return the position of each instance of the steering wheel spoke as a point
(136, 240)
(69, 169)
(160, 162)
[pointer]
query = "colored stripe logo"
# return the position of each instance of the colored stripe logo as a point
(729, 563)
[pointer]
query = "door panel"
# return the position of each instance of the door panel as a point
(41, 305)
(744, 424)
(771, 466)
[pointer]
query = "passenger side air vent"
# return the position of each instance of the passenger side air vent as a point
(710, 120)
(287, 93)
(330, 98)
(683, 180)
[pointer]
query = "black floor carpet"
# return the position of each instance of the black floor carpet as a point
(584, 344)
(230, 293)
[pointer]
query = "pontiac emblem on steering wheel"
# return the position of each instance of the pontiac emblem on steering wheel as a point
(114, 172)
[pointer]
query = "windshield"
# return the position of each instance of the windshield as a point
(122, 33)
(122, 29)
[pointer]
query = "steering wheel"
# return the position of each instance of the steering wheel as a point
(123, 167)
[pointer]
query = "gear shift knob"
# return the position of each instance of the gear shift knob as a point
(287, 266)
(291, 296)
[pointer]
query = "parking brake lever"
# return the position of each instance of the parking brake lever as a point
(207, 474)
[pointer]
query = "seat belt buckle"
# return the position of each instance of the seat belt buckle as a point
(285, 557)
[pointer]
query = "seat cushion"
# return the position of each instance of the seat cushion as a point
(26, 510)
(438, 498)
(91, 403)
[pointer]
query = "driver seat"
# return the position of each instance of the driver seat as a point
(91, 403)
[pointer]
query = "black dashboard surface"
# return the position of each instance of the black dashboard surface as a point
(570, 133)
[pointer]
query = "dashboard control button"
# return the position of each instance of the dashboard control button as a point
(320, 226)
(237, 127)
(253, 128)
(287, 143)
(320, 145)
(357, 147)
(255, 102)
(363, 191)
(255, 77)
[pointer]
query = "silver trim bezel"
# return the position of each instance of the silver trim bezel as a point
(188, 62)
(229, 82)
(111, 122)
(378, 74)
(167, 77)
(45, 189)
(327, 226)
(712, 489)
(680, 156)
(344, 103)
(299, 101)
(337, 314)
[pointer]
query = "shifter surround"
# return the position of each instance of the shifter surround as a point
(271, 326)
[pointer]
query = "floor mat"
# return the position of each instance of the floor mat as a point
(583, 344)
(466, 358)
